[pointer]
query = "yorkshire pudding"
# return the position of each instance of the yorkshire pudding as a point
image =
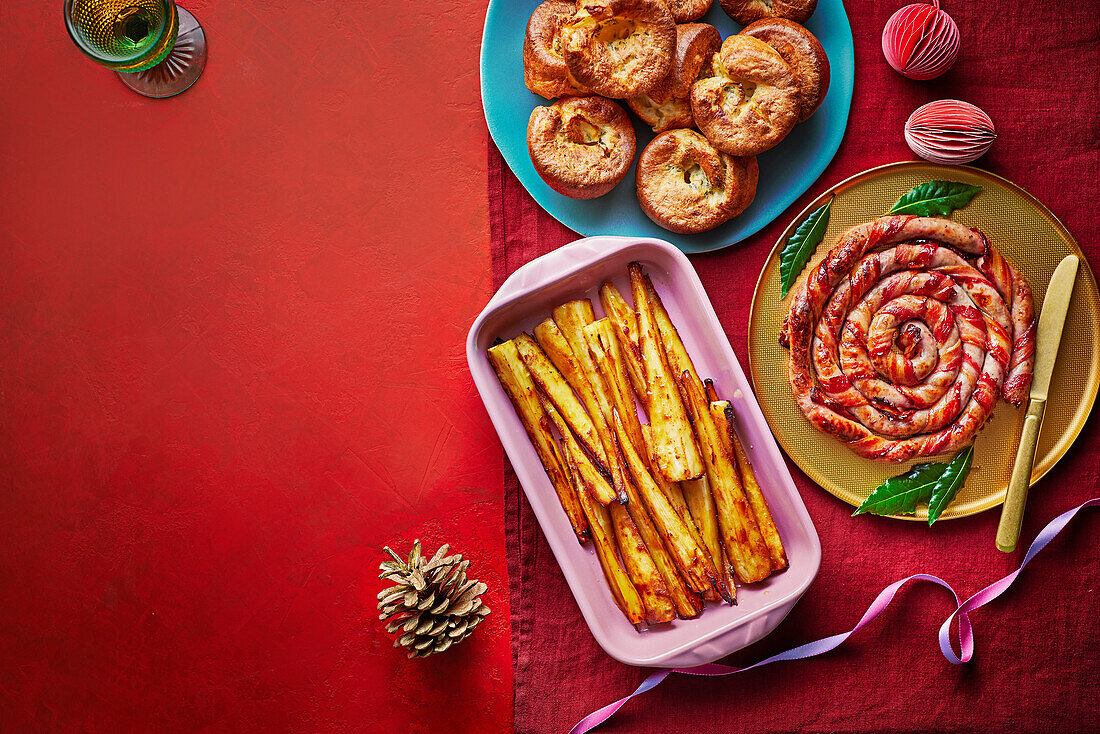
(619, 48)
(686, 185)
(803, 53)
(581, 146)
(750, 11)
(751, 102)
(544, 69)
(685, 11)
(668, 105)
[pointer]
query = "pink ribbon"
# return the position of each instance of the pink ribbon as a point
(881, 602)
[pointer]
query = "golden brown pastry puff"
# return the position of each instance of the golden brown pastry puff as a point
(668, 105)
(619, 48)
(581, 146)
(686, 185)
(685, 11)
(544, 69)
(749, 11)
(751, 102)
(803, 53)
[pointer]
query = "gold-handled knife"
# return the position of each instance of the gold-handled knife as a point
(1051, 320)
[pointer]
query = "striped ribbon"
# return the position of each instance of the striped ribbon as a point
(881, 602)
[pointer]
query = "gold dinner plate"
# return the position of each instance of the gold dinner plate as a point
(1035, 241)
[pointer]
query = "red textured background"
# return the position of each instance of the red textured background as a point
(232, 369)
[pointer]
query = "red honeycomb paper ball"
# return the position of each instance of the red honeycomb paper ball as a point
(920, 41)
(949, 131)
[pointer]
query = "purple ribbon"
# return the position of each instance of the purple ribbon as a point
(881, 602)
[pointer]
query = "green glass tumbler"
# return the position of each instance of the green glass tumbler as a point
(157, 48)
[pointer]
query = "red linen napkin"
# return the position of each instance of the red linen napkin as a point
(1036, 666)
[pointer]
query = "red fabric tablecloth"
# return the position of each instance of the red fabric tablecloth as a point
(1037, 652)
(232, 368)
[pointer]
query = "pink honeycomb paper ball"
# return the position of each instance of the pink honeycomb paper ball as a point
(949, 131)
(921, 41)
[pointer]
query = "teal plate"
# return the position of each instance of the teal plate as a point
(786, 171)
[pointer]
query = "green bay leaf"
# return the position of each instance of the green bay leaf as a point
(801, 245)
(947, 486)
(900, 495)
(935, 198)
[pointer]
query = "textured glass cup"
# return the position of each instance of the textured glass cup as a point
(158, 49)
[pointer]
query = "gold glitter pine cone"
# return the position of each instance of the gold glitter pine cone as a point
(433, 604)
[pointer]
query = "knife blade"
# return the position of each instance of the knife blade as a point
(1047, 339)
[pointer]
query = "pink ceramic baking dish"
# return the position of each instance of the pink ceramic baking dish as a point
(577, 271)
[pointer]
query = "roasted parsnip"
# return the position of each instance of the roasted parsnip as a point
(604, 347)
(687, 604)
(712, 392)
(699, 491)
(675, 453)
(674, 494)
(520, 389)
(554, 386)
(579, 462)
(641, 567)
(625, 321)
(679, 361)
(601, 341)
(639, 563)
(576, 366)
(599, 520)
(763, 513)
(741, 538)
(722, 412)
(700, 501)
(690, 558)
(693, 500)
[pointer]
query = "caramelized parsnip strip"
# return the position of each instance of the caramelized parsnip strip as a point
(641, 567)
(687, 604)
(600, 337)
(520, 389)
(570, 319)
(674, 451)
(675, 495)
(700, 500)
(722, 412)
(701, 517)
(690, 558)
(727, 586)
(576, 366)
(625, 321)
(678, 359)
(581, 462)
(601, 341)
(554, 386)
(644, 576)
(599, 520)
(760, 505)
(741, 538)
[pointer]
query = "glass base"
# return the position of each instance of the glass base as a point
(180, 68)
